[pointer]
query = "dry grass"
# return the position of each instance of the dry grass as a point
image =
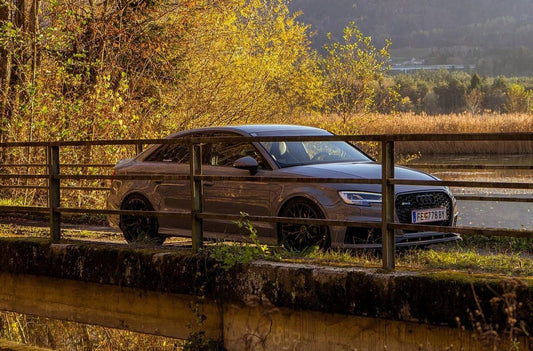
(71, 336)
(410, 123)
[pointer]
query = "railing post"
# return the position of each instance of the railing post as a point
(196, 196)
(387, 214)
(138, 148)
(54, 192)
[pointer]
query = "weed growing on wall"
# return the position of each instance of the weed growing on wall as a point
(493, 335)
(229, 255)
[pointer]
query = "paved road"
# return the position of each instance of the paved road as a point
(510, 215)
(491, 214)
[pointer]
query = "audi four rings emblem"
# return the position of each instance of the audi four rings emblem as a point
(425, 199)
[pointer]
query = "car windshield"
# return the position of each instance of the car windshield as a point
(295, 153)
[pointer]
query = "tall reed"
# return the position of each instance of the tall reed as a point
(410, 123)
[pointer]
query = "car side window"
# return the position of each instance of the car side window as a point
(225, 154)
(213, 154)
(178, 153)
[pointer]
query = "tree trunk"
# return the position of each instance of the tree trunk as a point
(5, 74)
(22, 14)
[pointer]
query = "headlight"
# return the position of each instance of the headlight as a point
(360, 198)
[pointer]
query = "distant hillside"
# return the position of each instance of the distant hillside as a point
(451, 31)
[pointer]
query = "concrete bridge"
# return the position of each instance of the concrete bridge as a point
(261, 306)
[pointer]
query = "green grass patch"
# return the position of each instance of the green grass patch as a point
(512, 264)
(509, 264)
(498, 255)
(500, 244)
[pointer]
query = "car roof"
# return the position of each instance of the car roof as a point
(259, 130)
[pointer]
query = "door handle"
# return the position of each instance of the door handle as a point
(209, 183)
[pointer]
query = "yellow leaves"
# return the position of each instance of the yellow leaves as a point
(246, 61)
(354, 68)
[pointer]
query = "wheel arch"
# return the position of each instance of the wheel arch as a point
(132, 194)
(150, 226)
(128, 197)
(305, 197)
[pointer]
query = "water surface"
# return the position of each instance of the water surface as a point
(490, 214)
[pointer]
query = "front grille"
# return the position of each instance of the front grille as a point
(405, 203)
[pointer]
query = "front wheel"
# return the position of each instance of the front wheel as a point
(138, 228)
(299, 237)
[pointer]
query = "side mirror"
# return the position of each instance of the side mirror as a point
(248, 163)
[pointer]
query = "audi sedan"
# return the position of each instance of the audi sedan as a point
(298, 160)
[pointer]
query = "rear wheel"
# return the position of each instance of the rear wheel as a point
(138, 228)
(299, 237)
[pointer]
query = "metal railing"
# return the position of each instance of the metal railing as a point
(54, 177)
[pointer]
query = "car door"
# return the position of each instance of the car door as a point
(170, 195)
(230, 197)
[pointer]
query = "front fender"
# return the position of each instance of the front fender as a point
(325, 198)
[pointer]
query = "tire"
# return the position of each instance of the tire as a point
(139, 229)
(300, 237)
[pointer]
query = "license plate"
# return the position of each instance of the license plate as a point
(429, 215)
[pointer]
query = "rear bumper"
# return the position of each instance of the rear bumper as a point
(113, 219)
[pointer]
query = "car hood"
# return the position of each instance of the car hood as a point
(368, 170)
(361, 170)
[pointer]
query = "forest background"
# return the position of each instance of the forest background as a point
(495, 37)
(119, 69)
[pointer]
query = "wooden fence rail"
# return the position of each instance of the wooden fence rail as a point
(54, 177)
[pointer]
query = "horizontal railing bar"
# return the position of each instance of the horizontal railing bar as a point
(120, 177)
(25, 209)
(218, 216)
(461, 183)
(291, 179)
(470, 166)
(72, 210)
(455, 183)
(24, 165)
(23, 187)
(492, 198)
(221, 178)
(291, 220)
(85, 188)
(84, 143)
(87, 165)
(63, 165)
(520, 136)
(457, 196)
(466, 230)
(414, 165)
(24, 176)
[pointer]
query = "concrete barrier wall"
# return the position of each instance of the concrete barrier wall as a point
(261, 306)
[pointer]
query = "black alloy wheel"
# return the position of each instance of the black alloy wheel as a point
(299, 237)
(138, 228)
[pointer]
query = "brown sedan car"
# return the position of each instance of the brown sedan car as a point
(303, 159)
